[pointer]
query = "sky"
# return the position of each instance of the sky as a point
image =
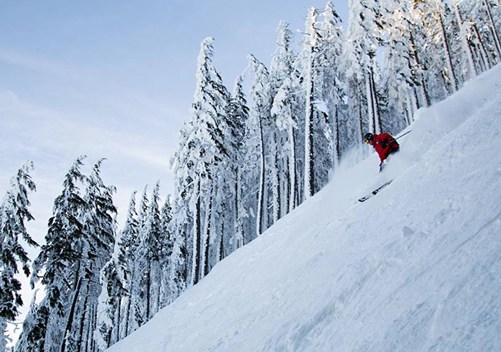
(417, 267)
(115, 79)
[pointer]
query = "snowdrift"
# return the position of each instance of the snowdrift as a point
(415, 268)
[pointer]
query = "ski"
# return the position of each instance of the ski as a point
(373, 193)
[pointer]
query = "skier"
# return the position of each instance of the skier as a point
(384, 144)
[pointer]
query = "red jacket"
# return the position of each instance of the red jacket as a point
(384, 144)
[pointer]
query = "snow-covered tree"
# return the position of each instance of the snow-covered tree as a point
(57, 264)
(78, 243)
(333, 87)
(202, 153)
(405, 88)
(14, 214)
(114, 287)
(439, 54)
(237, 113)
(34, 328)
(262, 138)
(177, 273)
(166, 252)
(149, 252)
(286, 109)
(317, 130)
(481, 26)
(95, 248)
(129, 243)
(137, 305)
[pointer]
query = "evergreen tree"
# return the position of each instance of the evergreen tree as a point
(333, 87)
(57, 264)
(34, 328)
(95, 247)
(438, 56)
(238, 114)
(352, 64)
(281, 77)
(262, 137)
(317, 157)
(286, 109)
(166, 251)
(202, 154)
(482, 24)
(138, 265)
(14, 214)
(178, 270)
(182, 225)
(149, 252)
(78, 243)
(129, 243)
(113, 280)
(404, 84)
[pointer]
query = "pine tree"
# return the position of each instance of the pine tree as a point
(149, 251)
(404, 83)
(34, 328)
(262, 128)
(317, 157)
(483, 22)
(96, 247)
(286, 109)
(238, 114)
(57, 264)
(129, 243)
(360, 67)
(182, 224)
(202, 153)
(138, 261)
(438, 58)
(333, 88)
(166, 252)
(113, 280)
(281, 77)
(78, 243)
(178, 269)
(14, 214)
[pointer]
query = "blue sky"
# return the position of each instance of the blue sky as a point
(115, 79)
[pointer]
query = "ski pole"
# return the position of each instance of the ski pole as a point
(403, 134)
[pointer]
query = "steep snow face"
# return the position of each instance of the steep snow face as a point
(415, 268)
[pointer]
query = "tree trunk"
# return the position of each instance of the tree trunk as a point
(493, 29)
(260, 198)
(464, 41)
(292, 168)
(483, 58)
(209, 217)
(275, 181)
(448, 55)
(148, 291)
(309, 158)
(373, 101)
(422, 84)
(69, 322)
(196, 237)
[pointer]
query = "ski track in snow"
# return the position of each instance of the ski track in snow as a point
(415, 268)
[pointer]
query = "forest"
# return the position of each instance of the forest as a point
(247, 156)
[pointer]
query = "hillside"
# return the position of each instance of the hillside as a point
(415, 268)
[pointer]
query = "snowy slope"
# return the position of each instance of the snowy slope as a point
(415, 268)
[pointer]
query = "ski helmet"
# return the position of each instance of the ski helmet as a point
(368, 137)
